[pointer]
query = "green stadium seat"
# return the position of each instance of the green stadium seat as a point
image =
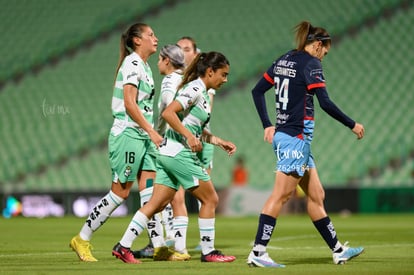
(83, 83)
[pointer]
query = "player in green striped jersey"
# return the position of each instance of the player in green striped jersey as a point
(177, 162)
(132, 140)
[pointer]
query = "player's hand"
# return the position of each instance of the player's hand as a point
(194, 144)
(156, 138)
(359, 130)
(227, 146)
(269, 132)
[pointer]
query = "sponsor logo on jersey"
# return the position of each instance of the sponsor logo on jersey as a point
(318, 74)
(132, 75)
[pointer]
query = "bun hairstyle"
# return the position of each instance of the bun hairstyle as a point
(175, 54)
(307, 34)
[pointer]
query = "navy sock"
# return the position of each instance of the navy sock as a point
(327, 231)
(265, 230)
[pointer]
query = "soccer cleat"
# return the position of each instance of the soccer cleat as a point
(146, 252)
(165, 253)
(262, 261)
(217, 256)
(82, 249)
(178, 256)
(162, 253)
(346, 254)
(124, 254)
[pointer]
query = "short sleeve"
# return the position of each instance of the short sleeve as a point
(131, 72)
(188, 96)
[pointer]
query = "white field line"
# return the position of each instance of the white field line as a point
(270, 247)
(316, 236)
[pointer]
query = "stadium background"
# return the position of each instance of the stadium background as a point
(57, 71)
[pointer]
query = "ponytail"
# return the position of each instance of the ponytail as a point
(126, 45)
(201, 62)
(191, 72)
(306, 34)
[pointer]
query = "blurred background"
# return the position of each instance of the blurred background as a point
(58, 67)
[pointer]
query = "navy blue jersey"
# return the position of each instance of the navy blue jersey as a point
(297, 77)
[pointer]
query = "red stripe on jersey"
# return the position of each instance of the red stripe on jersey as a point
(268, 78)
(300, 136)
(308, 118)
(316, 85)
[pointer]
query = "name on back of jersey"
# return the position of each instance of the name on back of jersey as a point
(285, 68)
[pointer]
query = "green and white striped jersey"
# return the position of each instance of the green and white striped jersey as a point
(136, 72)
(167, 94)
(195, 115)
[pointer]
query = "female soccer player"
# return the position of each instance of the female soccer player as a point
(175, 215)
(296, 77)
(132, 140)
(177, 211)
(177, 163)
(171, 63)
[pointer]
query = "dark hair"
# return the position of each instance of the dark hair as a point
(306, 34)
(193, 42)
(201, 63)
(127, 45)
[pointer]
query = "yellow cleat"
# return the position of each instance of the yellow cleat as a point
(177, 256)
(162, 253)
(82, 249)
(165, 253)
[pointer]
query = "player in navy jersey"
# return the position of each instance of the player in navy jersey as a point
(297, 77)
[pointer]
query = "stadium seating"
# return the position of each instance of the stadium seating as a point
(40, 30)
(54, 121)
(399, 176)
(369, 85)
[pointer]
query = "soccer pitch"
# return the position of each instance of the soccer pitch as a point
(40, 246)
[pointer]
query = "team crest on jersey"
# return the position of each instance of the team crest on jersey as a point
(205, 171)
(128, 171)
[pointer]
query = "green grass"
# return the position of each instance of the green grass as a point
(40, 246)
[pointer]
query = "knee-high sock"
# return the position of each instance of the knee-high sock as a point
(135, 228)
(326, 229)
(154, 226)
(207, 234)
(264, 232)
(168, 221)
(99, 214)
(180, 233)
